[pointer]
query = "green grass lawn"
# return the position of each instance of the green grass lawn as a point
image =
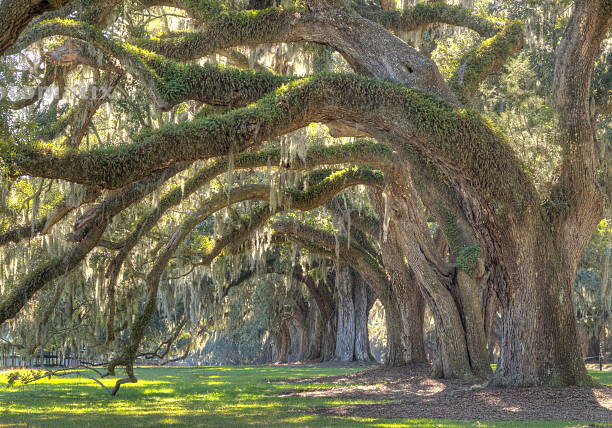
(203, 397)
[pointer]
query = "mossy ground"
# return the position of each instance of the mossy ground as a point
(203, 396)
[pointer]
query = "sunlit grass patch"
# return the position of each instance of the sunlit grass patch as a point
(603, 377)
(201, 396)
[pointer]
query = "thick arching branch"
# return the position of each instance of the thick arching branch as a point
(355, 43)
(389, 111)
(232, 29)
(315, 196)
(486, 58)
(422, 15)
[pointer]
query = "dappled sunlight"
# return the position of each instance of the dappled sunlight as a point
(204, 396)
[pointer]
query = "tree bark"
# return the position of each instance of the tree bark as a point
(362, 341)
(468, 290)
(397, 354)
(540, 344)
(409, 305)
(328, 340)
(283, 342)
(345, 338)
(435, 283)
(15, 15)
(540, 253)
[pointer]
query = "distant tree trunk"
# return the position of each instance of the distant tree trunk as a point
(315, 333)
(593, 348)
(397, 355)
(492, 324)
(409, 307)
(268, 352)
(362, 341)
(322, 322)
(328, 340)
(345, 335)
(283, 342)
(322, 332)
(303, 337)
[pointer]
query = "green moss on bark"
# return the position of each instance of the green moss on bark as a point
(420, 15)
(487, 58)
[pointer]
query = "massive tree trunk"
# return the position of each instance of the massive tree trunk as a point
(540, 342)
(540, 253)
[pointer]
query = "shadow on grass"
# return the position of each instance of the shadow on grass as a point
(201, 396)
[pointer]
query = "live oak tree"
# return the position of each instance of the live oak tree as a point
(436, 157)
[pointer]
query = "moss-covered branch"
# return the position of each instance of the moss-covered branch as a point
(15, 15)
(168, 81)
(461, 140)
(230, 29)
(302, 200)
(486, 58)
(130, 58)
(422, 15)
(362, 226)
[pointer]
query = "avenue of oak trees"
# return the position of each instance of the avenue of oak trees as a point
(141, 220)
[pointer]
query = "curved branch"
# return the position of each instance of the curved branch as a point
(487, 58)
(389, 112)
(130, 58)
(232, 29)
(315, 196)
(422, 15)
